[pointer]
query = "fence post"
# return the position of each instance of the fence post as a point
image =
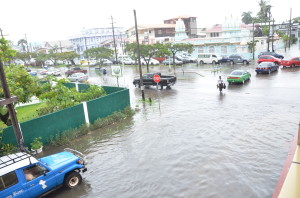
(76, 85)
(86, 113)
(298, 135)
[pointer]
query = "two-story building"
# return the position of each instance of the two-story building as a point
(93, 37)
(150, 34)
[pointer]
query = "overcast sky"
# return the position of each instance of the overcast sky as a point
(48, 20)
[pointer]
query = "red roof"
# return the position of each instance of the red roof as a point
(216, 28)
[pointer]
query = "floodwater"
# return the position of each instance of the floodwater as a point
(193, 141)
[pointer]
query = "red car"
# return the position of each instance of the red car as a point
(291, 63)
(269, 58)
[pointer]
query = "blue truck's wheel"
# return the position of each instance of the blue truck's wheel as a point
(72, 180)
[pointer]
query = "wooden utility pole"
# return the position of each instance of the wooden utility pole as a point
(138, 54)
(253, 46)
(273, 27)
(1, 33)
(113, 30)
(8, 101)
(290, 28)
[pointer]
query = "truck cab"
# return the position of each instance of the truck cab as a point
(22, 175)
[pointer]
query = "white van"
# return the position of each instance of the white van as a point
(210, 58)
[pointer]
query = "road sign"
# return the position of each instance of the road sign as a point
(156, 78)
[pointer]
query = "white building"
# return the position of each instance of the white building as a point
(92, 38)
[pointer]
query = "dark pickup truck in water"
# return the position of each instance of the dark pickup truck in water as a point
(167, 81)
(75, 70)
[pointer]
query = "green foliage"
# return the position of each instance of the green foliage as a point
(246, 17)
(179, 47)
(6, 52)
(251, 45)
(5, 149)
(264, 11)
(98, 53)
(23, 56)
(59, 97)
(21, 84)
(23, 43)
(36, 144)
(265, 30)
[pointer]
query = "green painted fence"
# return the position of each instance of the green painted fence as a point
(104, 106)
(70, 118)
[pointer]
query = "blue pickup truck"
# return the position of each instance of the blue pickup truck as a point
(24, 176)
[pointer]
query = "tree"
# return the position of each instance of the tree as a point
(25, 57)
(147, 51)
(23, 43)
(251, 45)
(179, 47)
(41, 58)
(21, 84)
(53, 56)
(70, 56)
(264, 9)
(98, 53)
(246, 17)
(6, 53)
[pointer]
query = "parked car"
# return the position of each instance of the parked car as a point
(269, 58)
(235, 58)
(224, 59)
(210, 58)
(49, 63)
(151, 62)
(19, 62)
(43, 71)
(189, 59)
(32, 73)
(169, 61)
(24, 176)
(181, 58)
(107, 62)
(75, 70)
(54, 72)
(238, 76)
(272, 54)
(78, 77)
(128, 61)
(266, 67)
(293, 62)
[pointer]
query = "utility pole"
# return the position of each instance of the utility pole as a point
(8, 101)
(269, 29)
(273, 27)
(253, 46)
(1, 33)
(60, 47)
(290, 29)
(26, 43)
(139, 59)
(113, 30)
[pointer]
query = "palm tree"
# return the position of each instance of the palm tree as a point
(22, 42)
(246, 17)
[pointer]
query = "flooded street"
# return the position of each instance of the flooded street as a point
(197, 142)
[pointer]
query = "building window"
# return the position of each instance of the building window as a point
(262, 42)
(200, 49)
(159, 32)
(224, 49)
(211, 49)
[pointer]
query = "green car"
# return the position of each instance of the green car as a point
(238, 76)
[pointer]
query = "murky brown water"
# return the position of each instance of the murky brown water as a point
(200, 143)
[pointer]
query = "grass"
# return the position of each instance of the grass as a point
(28, 112)
(25, 113)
